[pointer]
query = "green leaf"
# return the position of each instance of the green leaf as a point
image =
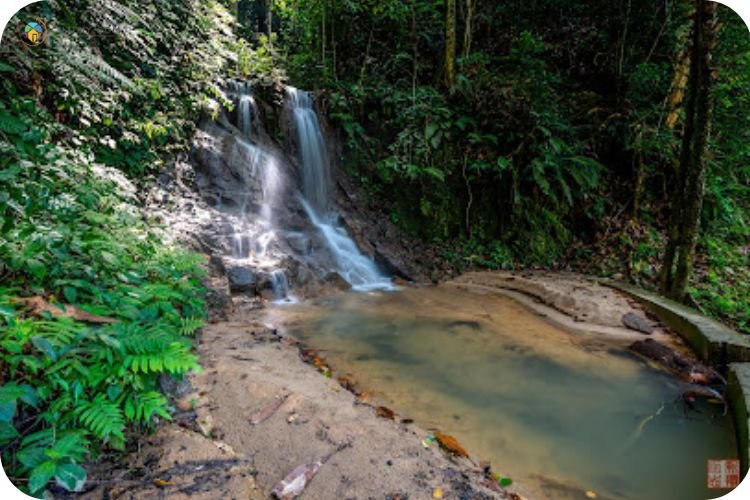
(70, 293)
(31, 456)
(41, 475)
(45, 346)
(7, 408)
(7, 432)
(503, 163)
(72, 477)
(11, 124)
(113, 391)
(4, 68)
(7, 311)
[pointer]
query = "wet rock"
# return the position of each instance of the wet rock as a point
(336, 280)
(637, 323)
(299, 242)
(241, 279)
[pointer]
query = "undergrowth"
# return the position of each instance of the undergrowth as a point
(111, 96)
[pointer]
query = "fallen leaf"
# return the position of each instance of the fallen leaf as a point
(450, 444)
(383, 412)
(590, 494)
(438, 493)
(264, 413)
(162, 482)
(40, 305)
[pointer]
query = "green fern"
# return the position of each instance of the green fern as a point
(103, 418)
(190, 325)
(141, 407)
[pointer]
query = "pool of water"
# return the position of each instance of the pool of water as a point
(561, 413)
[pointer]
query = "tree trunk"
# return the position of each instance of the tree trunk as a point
(468, 28)
(688, 197)
(269, 18)
(450, 44)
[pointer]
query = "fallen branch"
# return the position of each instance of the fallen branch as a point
(40, 305)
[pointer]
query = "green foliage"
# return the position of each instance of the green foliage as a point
(70, 234)
(539, 146)
(120, 93)
(120, 78)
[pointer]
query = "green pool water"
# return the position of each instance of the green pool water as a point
(561, 413)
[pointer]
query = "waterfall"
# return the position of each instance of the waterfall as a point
(280, 286)
(357, 269)
(253, 234)
(312, 150)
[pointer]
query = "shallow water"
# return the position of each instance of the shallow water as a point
(560, 413)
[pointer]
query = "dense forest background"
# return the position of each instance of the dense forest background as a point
(543, 133)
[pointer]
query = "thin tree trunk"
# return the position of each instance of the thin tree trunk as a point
(414, 57)
(269, 17)
(681, 71)
(687, 201)
(467, 213)
(468, 28)
(323, 38)
(450, 44)
(364, 61)
(333, 46)
(705, 42)
(678, 193)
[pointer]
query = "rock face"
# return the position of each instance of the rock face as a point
(637, 323)
(241, 279)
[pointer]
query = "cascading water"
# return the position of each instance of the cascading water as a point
(253, 235)
(355, 268)
(316, 177)
(248, 116)
(358, 270)
(280, 286)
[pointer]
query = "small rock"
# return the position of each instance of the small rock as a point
(637, 323)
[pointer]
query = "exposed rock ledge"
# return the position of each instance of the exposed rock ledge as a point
(573, 301)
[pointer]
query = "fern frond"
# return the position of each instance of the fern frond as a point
(103, 418)
(188, 326)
